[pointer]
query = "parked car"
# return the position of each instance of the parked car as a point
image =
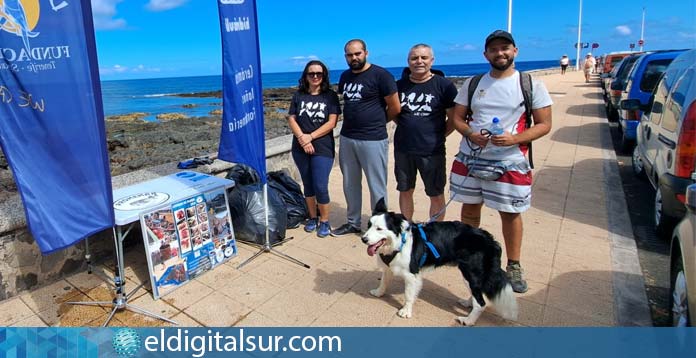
(683, 266)
(605, 80)
(641, 81)
(618, 84)
(609, 63)
(611, 59)
(666, 146)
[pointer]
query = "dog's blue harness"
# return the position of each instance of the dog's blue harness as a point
(388, 258)
(427, 243)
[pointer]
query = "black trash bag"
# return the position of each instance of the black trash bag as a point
(243, 175)
(292, 196)
(249, 217)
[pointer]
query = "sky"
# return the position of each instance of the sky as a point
(175, 38)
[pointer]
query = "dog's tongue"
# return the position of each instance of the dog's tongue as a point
(372, 249)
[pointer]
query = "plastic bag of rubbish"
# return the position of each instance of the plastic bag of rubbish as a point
(292, 196)
(243, 175)
(249, 214)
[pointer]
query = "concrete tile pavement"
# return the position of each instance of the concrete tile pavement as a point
(578, 254)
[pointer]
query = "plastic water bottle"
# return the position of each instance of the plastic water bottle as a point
(495, 128)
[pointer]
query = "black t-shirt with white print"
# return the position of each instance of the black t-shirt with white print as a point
(364, 108)
(311, 112)
(420, 127)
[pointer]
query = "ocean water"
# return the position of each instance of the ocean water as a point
(157, 95)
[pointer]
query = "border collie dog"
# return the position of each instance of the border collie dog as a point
(403, 251)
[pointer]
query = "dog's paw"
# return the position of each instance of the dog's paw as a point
(466, 302)
(465, 321)
(404, 312)
(377, 292)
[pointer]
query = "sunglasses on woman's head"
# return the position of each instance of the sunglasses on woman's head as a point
(315, 74)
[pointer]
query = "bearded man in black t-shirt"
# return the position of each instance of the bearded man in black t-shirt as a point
(427, 101)
(370, 101)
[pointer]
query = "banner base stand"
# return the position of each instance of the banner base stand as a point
(267, 247)
(121, 300)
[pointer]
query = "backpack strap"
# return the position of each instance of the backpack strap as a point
(473, 83)
(526, 85)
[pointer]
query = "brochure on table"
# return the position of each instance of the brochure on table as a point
(187, 238)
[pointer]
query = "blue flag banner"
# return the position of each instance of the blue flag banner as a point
(356, 342)
(242, 138)
(51, 119)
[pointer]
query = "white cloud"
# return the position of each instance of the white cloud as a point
(163, 5)
(143, 68)
(118, 69)
(103, 13)
(301, 60)
(687, 35)
(623, 30)
(462, 47)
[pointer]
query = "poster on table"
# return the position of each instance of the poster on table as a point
(186, 239)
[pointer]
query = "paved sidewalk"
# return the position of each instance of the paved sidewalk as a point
(578, 253)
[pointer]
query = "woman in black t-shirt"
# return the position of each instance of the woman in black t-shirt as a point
(312, 117)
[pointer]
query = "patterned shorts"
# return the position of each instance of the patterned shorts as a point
(511, 193)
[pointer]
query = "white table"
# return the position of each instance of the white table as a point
(130, 202)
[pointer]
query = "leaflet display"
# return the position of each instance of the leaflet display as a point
(187, 238)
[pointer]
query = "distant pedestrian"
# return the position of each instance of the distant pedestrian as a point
(498, 94)
(312, 117)
(370, 101)
(587, 66)
(564, 64)
(427, 101)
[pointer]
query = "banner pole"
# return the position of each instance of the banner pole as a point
(267, 244)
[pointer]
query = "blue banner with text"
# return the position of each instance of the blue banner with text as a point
(348, 342)
(51, 119)
(242, 136)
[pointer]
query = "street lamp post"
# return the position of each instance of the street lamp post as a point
(509, 29)
(642, 28)
(579, 45)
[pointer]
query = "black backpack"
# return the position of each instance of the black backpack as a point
(526, 85)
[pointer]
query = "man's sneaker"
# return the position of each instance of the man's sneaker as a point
(324, 229)
(514, 274)
(345, 229)
(311, 225)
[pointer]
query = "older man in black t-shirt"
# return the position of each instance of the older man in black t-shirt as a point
(427, 100)
(370, 101)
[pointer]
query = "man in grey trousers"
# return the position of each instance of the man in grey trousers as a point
(370, 101)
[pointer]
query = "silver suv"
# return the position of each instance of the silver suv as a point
(666, 141)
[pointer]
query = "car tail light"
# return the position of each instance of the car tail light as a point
(681, 198)
(686, 144)
(633, 115)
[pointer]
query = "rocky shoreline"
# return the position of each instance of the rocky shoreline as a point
(135, 144)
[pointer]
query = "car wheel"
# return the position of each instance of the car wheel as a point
(610, 112)
(662, 222)
(679, 307)
(637, 164)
